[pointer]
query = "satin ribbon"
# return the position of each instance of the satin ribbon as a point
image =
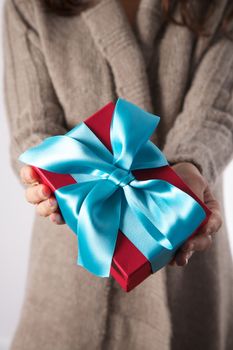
(155, 215)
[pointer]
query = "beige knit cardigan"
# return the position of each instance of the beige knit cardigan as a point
(60, 70)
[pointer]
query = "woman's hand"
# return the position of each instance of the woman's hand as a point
(202, 241)
(40, 195)
(46, 205)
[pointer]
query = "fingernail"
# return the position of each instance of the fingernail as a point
(189, 246)
(209, 231)
(186, 261)
(52, 202)
(52, 218)
(58, 219)
(188, 256)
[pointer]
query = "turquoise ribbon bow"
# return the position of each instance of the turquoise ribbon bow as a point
(156, 216)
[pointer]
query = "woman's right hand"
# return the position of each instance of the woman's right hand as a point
(40, 195)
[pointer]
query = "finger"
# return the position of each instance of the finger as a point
(212, 226)
(215, 221)
(38, 193)
(29, 175)
(181, 258)
(200, 242)
(187, 246)
(56, 218)
(210, 199)
(47, 207)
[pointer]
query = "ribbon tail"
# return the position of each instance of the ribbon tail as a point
(70, 199)
(166, 212)
(98, 226)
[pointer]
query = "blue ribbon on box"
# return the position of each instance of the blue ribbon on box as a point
(156, 216)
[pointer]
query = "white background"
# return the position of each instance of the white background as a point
(15, 225)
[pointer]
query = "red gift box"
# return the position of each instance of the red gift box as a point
(129, 266)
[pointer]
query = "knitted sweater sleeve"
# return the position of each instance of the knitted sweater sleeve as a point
(203, 131)
(32, 108)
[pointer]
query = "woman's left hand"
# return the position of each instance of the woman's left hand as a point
(203, 239)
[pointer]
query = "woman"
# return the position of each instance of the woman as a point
(63, 61)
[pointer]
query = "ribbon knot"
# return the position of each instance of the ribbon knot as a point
(121, 177)
(155, 215)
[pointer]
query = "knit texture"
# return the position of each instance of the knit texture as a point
(58, 71)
